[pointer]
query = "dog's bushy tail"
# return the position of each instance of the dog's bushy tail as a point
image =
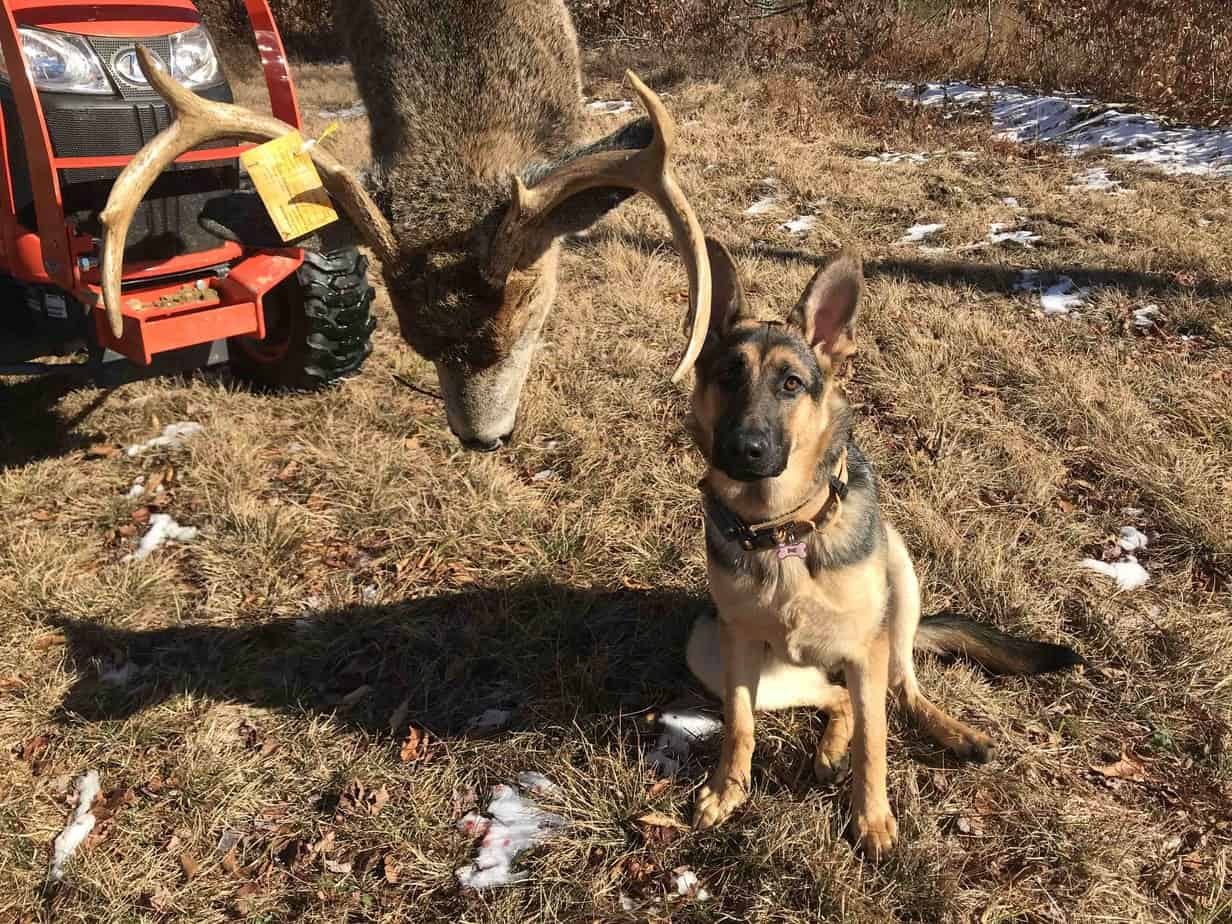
(990, 648)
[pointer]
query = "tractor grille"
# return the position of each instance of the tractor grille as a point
(108, 48)
(82, 126)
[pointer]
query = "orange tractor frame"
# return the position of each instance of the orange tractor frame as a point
(58, 256)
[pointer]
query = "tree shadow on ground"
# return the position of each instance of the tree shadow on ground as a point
(565, 652)
(32, 429)
(987, 277)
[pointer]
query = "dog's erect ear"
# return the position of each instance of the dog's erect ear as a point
(726, 293)
(826, 312)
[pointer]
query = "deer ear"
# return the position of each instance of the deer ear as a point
(727, 303)
(826, 312)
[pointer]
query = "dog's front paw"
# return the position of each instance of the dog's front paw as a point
(876, 832)
(717, 800)
(830, 768)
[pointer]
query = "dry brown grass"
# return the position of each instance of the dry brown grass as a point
(569, 598)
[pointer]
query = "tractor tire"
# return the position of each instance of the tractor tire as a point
(318, 326)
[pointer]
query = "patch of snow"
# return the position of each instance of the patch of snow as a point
(490, 720)
(1098, 179)
(766, 203)
(679, 730)
(917, 233)
(162, 528)
(1011, 201)
(999, 234)
(535, 783)
(610, 106)
(1062, 298)
(513, 824)
(897, 157)
(686, 884)
(1128, 574)
(79, 826)
(1148, 317)
(801, 224)
(137, 489)
(1081, 124)
(1132, 539)
(369, 594)
(172, 436)
(546, 475)
(354, 111)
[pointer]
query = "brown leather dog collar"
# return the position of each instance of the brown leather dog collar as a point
(784, 533)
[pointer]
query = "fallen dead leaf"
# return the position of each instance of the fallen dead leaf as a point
(657, 828)
(41, 516)
(377, 801)
(245, 898)
(111, 803)
(658, 787)
(465, 798)
(43, 642)
(102, 451)
(335, 866)
(322, 847)
(160, 900)
(11, 682)
(288, 471)
(230, 860)
(357, 799)
(391, 869)
(1129, 767)
(190, 866)
(415, 747)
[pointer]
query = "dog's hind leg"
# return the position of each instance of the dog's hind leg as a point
(955, 736)
(783, 685)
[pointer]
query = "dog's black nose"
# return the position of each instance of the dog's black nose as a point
(752, 447)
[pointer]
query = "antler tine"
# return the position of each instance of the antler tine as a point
(197, 121)
(648, 170)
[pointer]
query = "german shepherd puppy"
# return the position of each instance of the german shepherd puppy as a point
(809, 581)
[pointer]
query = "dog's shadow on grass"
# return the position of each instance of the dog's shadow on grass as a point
(548, 653)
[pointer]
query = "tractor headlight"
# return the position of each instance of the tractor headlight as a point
(60, 62)
(194, 62)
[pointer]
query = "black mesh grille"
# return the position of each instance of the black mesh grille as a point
(102, 131)
(88, 126)
(108, 48)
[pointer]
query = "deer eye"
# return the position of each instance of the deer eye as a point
(793, 384)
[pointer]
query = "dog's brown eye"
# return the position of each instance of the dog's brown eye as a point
(792, 384)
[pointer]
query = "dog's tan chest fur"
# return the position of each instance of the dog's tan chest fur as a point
(822, 620)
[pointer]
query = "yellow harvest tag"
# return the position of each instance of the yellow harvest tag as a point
(289, 185)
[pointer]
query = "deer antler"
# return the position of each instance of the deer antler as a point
(197, 121)
(648, 170)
